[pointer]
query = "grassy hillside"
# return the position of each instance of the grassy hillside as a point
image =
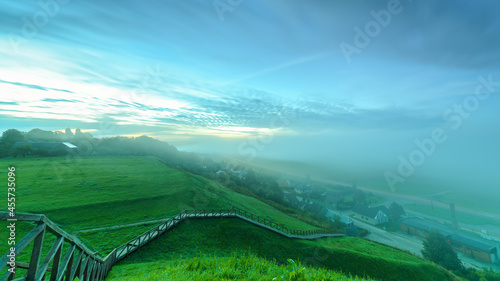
(106, 191)
(236, 267)
(228, 238)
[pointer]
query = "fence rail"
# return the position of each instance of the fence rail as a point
(79, 261)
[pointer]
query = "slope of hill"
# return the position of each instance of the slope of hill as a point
(101, 191)
(230, 238)
(107, 191)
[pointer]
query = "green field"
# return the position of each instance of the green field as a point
(92, 192)
(104, 191)
(236, 267)
(229, 237)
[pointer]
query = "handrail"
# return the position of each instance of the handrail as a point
(85, 264)
(37, 271)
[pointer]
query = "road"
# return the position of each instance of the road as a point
(412, 244)
(397, 240)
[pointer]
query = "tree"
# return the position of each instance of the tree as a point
(396, 211)
(360, 197)
(11, 136)
(438, 249)
(22, 150)
(40, 135)
(4, 152)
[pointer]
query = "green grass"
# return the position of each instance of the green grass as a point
(235, 267)
(375, 200)
(104, 191)
(225, 237)
(105, 241)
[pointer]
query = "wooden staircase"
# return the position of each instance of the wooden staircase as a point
(79, 261)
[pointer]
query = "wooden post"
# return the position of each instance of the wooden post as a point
(55, 264)
(50, 255)
(93, 272)
(35, 256)
(83, 268)
(67, 263)
(75, 271)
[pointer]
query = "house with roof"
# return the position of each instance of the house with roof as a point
(284, 183)
(471, 246)
(303, 189)
(333, 197)
(292, 199)
(333, 216)
(242, 175)
(49, 146)
(314, 208)
(220, 173)
(373, 215)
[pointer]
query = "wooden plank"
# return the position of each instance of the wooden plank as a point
(90, 270)
(35, 255)
(7, 276)
(21, 216)
(56, 230)
(66, 264)
(83, 268)
(98, 272)
(77, 265)
(55, 263)
(48, 258)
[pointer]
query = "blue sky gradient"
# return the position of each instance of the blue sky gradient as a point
(271, 73)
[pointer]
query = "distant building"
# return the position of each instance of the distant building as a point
(332, 215)
(220, 173)
(471, 246)
(333, 197)
(49, 146)
(303, 189)
(68, 133)
(314, 208)
(374, 215)
(284, 182)
(292, 199)
(242, 175)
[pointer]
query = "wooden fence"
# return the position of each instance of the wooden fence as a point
(81, 262)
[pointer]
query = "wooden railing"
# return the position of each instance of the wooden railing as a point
(81, 262)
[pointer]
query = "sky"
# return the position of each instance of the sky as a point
(387, 92)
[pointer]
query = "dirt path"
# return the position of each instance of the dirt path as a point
(120, 225)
